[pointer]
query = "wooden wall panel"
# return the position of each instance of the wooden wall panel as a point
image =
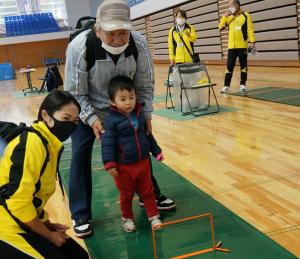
(204, 16)
(32, 53)
(276, 56)
(138, 21)
(162, 14)
(140, 26)
(160, 25)
(276, 23)
(160, 34)
(159, 39)
(298, 17)
(168, 19)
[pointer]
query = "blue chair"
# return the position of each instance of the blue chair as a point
(6, 71)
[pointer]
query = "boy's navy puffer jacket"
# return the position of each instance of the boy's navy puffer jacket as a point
(122, 143)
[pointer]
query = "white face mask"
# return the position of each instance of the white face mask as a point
(232, 9)
(180, 21)
(114, 50)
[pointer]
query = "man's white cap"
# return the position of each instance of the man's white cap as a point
(114, 15)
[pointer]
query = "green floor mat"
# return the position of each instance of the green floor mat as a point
(159, 98)
(273, 94)
(111, 242)
(20, 94)
(177, 115)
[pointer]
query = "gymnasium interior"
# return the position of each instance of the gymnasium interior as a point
(232, 167)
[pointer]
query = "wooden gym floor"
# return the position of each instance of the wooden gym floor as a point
(247, 159)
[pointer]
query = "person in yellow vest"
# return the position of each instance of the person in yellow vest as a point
(241, 36)
(28, 169)
(179, 51)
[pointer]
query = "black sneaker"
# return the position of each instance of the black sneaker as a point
(162, 202)
(82, 228)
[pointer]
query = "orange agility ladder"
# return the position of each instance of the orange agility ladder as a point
(215, 247)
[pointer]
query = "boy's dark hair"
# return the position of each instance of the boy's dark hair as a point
(119, 83)
(182, 13)
(238, 2)
(55, 100)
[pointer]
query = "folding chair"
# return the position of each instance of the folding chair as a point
(54, 57)
(187, 72)
(169, 84)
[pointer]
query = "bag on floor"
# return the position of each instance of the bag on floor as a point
(188, 99)
(53, 78)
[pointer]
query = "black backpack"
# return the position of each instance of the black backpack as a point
(9, 131)
(83, 24)
(53, 78)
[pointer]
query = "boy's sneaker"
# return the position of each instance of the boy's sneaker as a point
(155, 222)
(225, 90)
(243, 88)
(162, 203)
(82, 228)
(128, 225)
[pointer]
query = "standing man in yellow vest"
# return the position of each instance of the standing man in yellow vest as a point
(241, 33)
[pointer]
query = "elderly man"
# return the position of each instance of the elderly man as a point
(93, 58)
(240, 33)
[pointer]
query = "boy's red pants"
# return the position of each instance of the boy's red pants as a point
(132, 178)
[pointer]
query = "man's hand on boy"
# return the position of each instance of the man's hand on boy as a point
(98, 128)
(113, 172)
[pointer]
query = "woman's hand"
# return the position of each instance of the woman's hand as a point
(57, 227)
(228, 13)
(113, 172)
(251, 45)
(57, 238)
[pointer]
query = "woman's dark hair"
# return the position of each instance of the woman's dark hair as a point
(55, 100)
(182, 13)
(119, 83)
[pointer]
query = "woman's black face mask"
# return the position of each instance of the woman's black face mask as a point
(62, 129)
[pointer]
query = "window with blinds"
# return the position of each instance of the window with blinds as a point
(57, 7)
(7, 8)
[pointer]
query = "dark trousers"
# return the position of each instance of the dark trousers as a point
(232, 56)
(29, 244)
(80, 184)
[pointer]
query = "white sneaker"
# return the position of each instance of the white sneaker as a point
(225, 90)
(155, 222)
(243, 88)
(128, 225)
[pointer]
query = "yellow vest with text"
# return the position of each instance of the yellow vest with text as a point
(240, 30)
(20, 166)
(177, 50)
